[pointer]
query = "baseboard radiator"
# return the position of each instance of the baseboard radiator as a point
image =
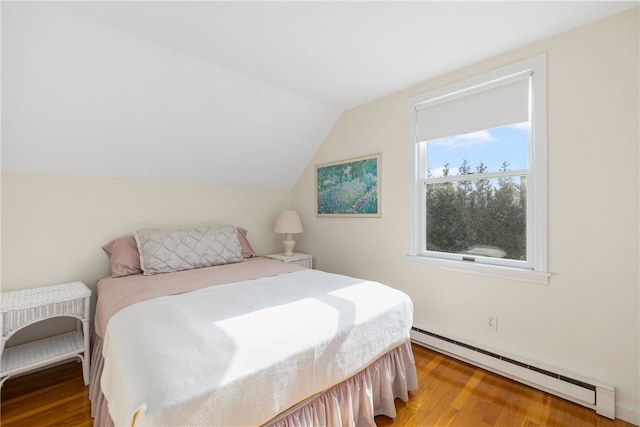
(598, 397)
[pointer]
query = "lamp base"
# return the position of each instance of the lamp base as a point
(288, 243)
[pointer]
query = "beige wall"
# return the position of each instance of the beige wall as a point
(53, 227)
(586, 321)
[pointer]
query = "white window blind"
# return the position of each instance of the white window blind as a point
(508, 99)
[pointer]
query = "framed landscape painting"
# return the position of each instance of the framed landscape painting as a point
(349, 188)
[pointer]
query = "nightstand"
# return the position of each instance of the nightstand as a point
(19, 309)
(303, 260)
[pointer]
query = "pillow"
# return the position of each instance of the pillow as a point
(247, 250)
(169, 250)
(123, 256)
(125, 259)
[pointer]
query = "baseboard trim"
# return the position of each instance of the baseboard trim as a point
(585, 392)
(628, 413)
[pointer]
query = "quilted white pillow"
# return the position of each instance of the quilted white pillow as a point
(169, 250)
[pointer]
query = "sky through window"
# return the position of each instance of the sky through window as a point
(490, 147)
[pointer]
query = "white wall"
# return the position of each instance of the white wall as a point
(586, 321)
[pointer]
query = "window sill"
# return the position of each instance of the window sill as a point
(517, 274)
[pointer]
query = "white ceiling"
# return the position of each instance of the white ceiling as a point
(343, 54)
(306, 61)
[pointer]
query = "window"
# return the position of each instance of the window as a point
(478, 156)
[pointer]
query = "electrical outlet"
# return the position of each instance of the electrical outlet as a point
(491, 322)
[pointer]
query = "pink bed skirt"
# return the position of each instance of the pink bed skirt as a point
(353, 402)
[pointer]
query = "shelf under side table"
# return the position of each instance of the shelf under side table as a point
(33, 355)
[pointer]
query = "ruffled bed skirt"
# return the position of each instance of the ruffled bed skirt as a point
(353, 402)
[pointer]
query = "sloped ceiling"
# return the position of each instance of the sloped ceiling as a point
(232, 93)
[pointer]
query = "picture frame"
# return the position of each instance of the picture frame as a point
(349, 188)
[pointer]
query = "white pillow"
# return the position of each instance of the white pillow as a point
(169, 250)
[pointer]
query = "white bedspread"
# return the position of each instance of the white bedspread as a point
(239, 354)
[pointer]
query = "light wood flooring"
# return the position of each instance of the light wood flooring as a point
(451, 393)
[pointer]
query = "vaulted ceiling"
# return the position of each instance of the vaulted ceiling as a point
(233, 93)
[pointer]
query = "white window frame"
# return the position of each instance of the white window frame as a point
(535, 269)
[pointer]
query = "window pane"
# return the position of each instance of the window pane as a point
(479, 152)
(481, 217)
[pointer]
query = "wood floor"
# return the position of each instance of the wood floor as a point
(451, 393)
(51, 397)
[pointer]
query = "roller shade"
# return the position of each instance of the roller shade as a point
(491, 106)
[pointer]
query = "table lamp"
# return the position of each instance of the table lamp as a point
(288, 223)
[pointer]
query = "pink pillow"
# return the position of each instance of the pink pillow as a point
(245, 246)
(124, 257)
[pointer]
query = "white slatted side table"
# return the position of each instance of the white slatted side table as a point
(303, 260)
(22, 308)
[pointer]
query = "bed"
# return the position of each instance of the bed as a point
(251, 342)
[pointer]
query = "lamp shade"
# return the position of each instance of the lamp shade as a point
(288, 222)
